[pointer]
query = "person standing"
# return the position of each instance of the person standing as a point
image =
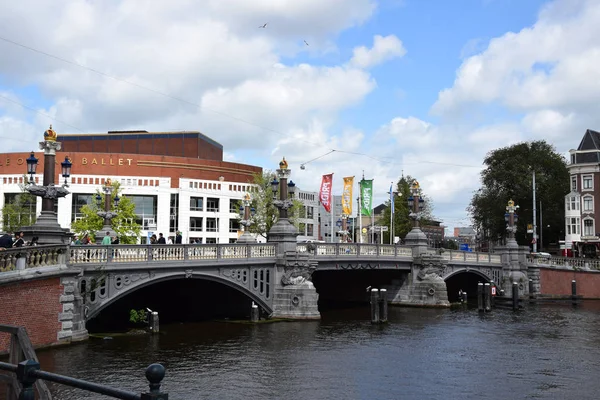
(178, 238)
(19, 242)
(161, 239)
(106, 240)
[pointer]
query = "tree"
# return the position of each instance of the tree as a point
(266, 214)
(124, 223)
(402, 222)
(20, 211)
(509, 175)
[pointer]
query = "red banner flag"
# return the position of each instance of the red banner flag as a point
(325, 194)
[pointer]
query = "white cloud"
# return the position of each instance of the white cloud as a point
(384, 48)
(549, 65)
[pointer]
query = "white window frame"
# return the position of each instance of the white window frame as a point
(573, 225)
(589, 230)
(585, 179)
(573, 183)
(573, 203)
(589, 199)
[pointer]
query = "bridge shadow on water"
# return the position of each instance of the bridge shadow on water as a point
(465, 281)
(176, 301)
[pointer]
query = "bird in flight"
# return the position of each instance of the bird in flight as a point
(305, 43)
(264, 26)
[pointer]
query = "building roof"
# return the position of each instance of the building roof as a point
(137, 134)
(590, 141)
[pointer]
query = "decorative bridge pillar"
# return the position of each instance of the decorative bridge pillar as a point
(514, 257)
(425, 285)
(294, 295)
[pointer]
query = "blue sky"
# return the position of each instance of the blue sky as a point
(426, 87)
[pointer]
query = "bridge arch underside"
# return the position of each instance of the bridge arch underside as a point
(176, 299)
(465, 280)
(347, 288)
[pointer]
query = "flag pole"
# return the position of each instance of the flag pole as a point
(359, 213)
(332, 209)
(391, 213)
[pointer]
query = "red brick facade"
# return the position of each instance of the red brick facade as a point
(34, 304)
(174, 144)
(557, 282)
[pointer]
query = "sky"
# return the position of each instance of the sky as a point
(424, 88)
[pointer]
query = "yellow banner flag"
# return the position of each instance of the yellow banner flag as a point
(347, 195)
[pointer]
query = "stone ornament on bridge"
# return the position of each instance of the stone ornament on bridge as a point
(511, 219)
(298, 273)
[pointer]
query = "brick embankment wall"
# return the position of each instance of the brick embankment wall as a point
(557, 282)
(34, 304)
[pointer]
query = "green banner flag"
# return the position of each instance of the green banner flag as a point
(366, 194)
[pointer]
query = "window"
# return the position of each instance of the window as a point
(573, 226)
(574, 183)
(24, 211)
(80, 200)
(234, 206)
(145, 209)
(573, 203)
(174, 215)
(588, 227)
(309, 229)
(211, 240)
(212, 224)
(196, 224)
(588, 203)
(234, 225)
(588, 182)
(196, 203)
(310, 212)
(572, 158)
(212, 204)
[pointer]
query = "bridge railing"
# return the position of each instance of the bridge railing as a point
(469, 256)
(565, 262)
(353, 250)
(32, 257)
(94, 254)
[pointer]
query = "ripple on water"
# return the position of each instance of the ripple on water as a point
(548, 352)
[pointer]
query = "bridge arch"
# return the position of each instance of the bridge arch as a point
(465, 280)
(92, 309)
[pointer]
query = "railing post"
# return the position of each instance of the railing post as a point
(155, 374)
(27, 379)
(149, 252)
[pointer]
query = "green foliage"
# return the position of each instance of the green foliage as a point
(124, 225)
(508, 175)
(266, 213)
(402, 222)
(138, 316)
(20, 212)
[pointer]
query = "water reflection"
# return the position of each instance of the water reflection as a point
(547, 352)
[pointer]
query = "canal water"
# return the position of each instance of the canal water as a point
(543, 352)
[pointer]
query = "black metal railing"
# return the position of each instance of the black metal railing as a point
(28, 372)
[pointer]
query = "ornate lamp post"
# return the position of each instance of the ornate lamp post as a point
(106, 213)
(511, 219)
(344, 231)
(416, 203)
(247, 213)
(46, 226)
(283, 231)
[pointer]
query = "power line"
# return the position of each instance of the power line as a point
(158, 92)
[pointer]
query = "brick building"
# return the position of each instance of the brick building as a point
(177, 180)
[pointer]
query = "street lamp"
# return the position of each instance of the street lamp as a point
(106, 213)
(247, 213)
(416, 237)
(344, 228)
(511, 219)
(416, 204)
(283, 231)
(286, 190)
(46, 226)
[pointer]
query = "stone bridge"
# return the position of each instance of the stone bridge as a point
(276, 277)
